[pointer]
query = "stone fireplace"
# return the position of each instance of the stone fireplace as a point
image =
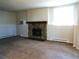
(37, 30)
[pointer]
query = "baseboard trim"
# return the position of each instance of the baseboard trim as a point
(39, 39)
(61, 42)
(9, 37)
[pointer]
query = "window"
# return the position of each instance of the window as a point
(63, 16)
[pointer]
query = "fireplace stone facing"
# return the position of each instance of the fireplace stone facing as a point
(37, 30)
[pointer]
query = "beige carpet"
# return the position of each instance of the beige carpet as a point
(19, 48)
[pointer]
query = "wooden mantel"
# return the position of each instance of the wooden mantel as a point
(36, 22)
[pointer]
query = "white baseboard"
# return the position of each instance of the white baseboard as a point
(7, 36)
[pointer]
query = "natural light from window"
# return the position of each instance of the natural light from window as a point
(63, 16)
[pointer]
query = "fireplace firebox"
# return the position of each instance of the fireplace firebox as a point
(36, 32)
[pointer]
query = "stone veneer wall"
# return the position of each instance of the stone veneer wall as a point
(42, 25)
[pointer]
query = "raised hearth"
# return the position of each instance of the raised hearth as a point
(37, 30)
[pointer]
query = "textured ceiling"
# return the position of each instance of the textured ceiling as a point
(27, 4)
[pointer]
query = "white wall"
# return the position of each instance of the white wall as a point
(54, 33)
(30, 15)
(76, 31)
(22, 28)
(7, 24)
(58, 33)
(40, 14)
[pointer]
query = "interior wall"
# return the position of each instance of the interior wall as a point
(39, 14)
(58, 33)
(54, 33)
(7, 24)
(22, 28)
(76, 30)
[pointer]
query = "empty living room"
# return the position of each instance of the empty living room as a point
(39, 29)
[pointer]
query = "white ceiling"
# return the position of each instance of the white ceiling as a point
(27, 4)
